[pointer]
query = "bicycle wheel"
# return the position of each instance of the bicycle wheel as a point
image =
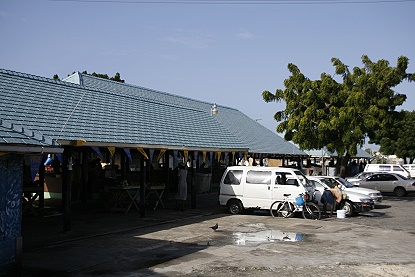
(284, 209)
(311, 211)
(274, 209)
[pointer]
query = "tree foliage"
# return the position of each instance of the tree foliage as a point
(117, 76)
(399, 138)
(338, 115)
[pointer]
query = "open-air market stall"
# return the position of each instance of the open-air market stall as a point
(110, 134)
(21, 156)
(324, 162)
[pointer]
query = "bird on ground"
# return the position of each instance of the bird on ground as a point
(215, 227)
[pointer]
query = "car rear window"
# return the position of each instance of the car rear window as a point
(389, 177)
(381, 177)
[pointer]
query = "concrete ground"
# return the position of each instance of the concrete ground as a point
(169, 242)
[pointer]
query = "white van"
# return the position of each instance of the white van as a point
(410, 168)
(253, 187)
(389, 168)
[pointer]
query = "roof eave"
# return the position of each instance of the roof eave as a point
(149, 146)
(30, 149)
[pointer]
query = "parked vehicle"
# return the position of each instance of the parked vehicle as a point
(410, 168)
(358, 176)
(252, 187)
(390, 168)
(388, 182)
(346, 186)
(354, 203)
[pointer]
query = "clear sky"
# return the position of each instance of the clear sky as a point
(224, 52)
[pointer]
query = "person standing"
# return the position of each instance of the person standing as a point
(181, 194)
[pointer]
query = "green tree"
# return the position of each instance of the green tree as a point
(399, 138)
(339, 115)
(116, 78)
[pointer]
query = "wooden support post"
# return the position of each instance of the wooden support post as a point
(84, 177)
(19, 256)
(67, 188)
(142, 187)
(193, 185)
(42, 182)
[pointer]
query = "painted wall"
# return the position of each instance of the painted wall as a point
(11, 183)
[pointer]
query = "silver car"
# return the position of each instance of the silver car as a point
(376, 195)
(388, 182)
(355, 202)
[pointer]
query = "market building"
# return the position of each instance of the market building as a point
(76, 137)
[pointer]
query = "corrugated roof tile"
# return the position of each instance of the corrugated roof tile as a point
(256, 137)
(107, 111)
(69, 112)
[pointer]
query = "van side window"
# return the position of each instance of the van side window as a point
(285, 178)
(233, 177)
(397, 168)
(384, 168)
(280, 180)
(258, 177)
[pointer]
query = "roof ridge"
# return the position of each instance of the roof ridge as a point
(148, 89)
(80, 86)
(36, 77)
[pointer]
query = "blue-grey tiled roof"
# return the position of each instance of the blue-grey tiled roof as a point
(253, 135)
(19, 135)
(68, 112)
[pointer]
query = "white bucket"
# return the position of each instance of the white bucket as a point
(341, 213)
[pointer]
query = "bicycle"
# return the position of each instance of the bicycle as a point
(287, 208)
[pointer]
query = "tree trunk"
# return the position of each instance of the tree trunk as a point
(343, 165)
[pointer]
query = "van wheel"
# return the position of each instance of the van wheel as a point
(400, 191)
(235, 207)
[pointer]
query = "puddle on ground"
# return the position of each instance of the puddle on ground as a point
(255, 238)
(265, 236)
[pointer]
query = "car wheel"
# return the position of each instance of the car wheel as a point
(349, 208)
(400, 191)
(235, 206)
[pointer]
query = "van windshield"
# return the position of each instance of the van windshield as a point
(303, 179)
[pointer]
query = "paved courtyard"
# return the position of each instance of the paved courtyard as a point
(376, 244)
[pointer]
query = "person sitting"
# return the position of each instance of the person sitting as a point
(327, 198)
(338, 195)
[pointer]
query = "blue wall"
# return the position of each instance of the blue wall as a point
(11, 184)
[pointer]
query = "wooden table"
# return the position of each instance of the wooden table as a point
(30, 194)
(124, 197)
(158, 191)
